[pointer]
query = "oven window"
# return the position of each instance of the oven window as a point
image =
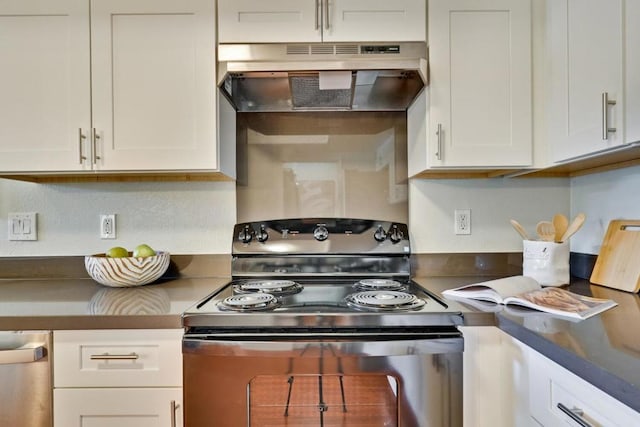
(323, 400)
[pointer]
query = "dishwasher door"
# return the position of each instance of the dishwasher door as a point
(25, 379)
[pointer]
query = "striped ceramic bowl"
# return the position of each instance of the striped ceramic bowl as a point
(126, 271)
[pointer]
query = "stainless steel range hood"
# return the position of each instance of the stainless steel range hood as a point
(322, 76)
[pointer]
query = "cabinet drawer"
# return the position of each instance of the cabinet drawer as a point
(117, 358)
(553, 387)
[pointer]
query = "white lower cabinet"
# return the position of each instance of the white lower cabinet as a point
(123, 378)
(507, 383)
(115, 407)
(559, 397)
(495, 391)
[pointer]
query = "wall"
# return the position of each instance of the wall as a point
(197, 217)
(603, 197)
(493, 202)
(180, 217)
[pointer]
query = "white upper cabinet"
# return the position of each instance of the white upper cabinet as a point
(479, 95)
(309, 21)
(587, 96)
(374, 20)
(44, 85)
(107, 85)
(632, 71)
(153, 83)
(247, 21)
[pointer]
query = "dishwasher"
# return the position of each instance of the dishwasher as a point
(25, 375)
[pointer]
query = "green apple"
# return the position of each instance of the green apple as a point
(143, 251)
(117, 252)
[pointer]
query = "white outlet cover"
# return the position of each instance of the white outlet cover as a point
(462, 221)
(108, 226)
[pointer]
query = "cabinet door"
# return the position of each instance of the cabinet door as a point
(250, 21)
(153, 84)
(44, 85)
(374, 20)
(480, 83)
(586, 58)
(495, 392)
(117, 407)
(632, 71)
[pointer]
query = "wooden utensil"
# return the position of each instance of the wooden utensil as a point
(560, 222)
(617, 264)
(546, 231)
(520, 229)
(573, 227)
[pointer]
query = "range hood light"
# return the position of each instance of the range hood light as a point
(330, 80)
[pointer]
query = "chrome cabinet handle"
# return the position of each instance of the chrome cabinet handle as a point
(327, 24)
(439, 146)
(606, 102)
(22, 355)
(94, 151)
(576, 414)
(174, 408)
(317, 15)
(81, 138)
(107, 356)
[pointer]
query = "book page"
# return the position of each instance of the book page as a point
(561, 302)
(495, 290)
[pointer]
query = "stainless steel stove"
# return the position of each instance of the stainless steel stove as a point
(325, 298)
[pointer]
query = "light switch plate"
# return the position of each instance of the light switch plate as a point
(23, 226)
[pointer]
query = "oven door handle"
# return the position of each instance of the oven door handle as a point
(251, 347)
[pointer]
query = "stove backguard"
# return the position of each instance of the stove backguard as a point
(321, 246)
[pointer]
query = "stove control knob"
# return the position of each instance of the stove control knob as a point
(262, 234)
(380, 235)
(246, 234)
(395, 234)
(321, 233)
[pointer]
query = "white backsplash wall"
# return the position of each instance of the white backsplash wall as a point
(197, 217)
(603, 197)
(493, 202)
(180, 217)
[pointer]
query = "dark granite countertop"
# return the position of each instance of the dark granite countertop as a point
(604, 350)
(55, 304)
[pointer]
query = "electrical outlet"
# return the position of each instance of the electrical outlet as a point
(108, 226)
(23, 226)
(462, 221)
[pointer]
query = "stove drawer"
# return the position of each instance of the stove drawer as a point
(118, 358)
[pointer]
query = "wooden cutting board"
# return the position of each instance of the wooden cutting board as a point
(618, 263)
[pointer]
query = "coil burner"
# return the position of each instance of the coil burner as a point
(274, 287)
(379, 285)
(249, 302)
(384, 301)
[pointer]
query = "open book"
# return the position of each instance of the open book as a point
(525, 291)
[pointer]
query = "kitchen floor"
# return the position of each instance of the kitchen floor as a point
(368, 401)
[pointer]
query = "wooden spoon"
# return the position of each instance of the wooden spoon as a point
(546, 231)
(520, 229)
(560, 222)
(573, 227)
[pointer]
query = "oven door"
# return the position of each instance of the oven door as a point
(382, 379)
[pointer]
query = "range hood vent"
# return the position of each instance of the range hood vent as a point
(322, 76)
